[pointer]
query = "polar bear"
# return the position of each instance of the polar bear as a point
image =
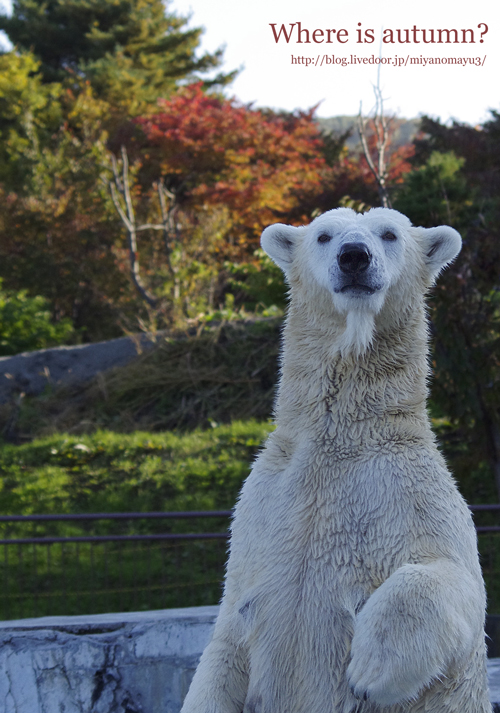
(353, 581)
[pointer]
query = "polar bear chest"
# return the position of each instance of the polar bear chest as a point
(332, 533)
(309, 546)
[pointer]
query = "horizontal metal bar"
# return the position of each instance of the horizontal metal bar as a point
(151, 516)
(157, 515)
(487, 528)
(160, 536)
(117, 516)
(115, 538)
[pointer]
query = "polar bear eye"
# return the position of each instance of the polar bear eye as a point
(388, 236)
(324, 238)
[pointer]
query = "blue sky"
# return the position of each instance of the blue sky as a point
(270, 77)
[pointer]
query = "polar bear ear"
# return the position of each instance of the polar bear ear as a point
(279, 242)
(441, 246)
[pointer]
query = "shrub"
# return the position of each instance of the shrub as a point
(26, 323)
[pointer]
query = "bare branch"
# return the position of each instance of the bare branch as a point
(122, 186)
(126, 186)
(378, 164)
(149, 226)
(168, 219)
(119, 209)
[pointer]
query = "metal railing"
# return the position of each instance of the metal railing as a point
(114, 516)
(486, 508)
(488, 535)
(161, 560)
(79, 570)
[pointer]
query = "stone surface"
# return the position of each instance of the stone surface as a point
(30, 372)
(140, 662)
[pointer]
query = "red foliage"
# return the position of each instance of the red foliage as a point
(213, 150)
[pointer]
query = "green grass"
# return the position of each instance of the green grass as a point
(137, 472)
(112, 472)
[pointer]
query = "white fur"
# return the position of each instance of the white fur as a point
(353, 580)
(359, 332)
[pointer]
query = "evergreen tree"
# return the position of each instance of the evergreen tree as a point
(30, 113)
(131, 51)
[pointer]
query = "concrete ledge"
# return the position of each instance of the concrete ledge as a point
(107, 663)
(140, 662)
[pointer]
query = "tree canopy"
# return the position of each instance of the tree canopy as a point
(131, 51)
(211, 150)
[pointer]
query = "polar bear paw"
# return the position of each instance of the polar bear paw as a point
(381, 674)
(381, 687)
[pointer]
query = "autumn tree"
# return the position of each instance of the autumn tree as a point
(208, 175)
(247, 167)
(346, 179)
(214, 151)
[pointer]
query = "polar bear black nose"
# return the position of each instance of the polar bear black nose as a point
(354, 258)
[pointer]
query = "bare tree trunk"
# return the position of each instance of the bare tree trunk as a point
(121, 186)
(378, 162)
(169, 222)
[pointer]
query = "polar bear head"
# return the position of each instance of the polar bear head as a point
(359, 264)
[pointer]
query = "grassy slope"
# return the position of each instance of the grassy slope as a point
(139, 472)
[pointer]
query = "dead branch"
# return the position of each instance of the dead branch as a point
(377, 163)
(119, 187)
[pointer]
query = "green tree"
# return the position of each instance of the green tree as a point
(437, 192)
(131, 51)
(457, 181)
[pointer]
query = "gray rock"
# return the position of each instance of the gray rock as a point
(30, 372)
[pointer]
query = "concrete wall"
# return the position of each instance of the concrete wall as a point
(111, 663)
(107, 663)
